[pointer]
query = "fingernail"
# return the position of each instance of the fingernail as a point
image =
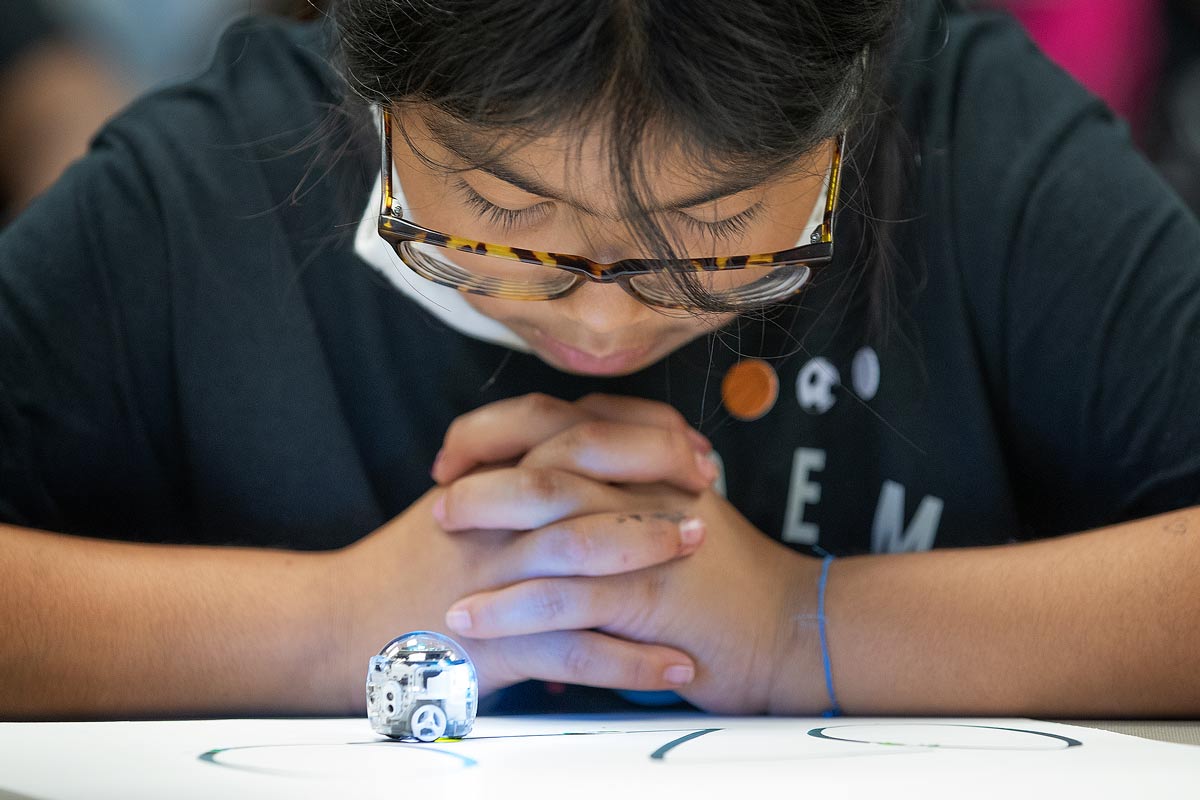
(699, 440)
(679, 674)
(437, 462)
(439, 508)
(458, 619)
(691, 531)
(707, 468)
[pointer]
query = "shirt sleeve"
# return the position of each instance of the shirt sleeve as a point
(85, 395)
(1083, 272)
(152, 328)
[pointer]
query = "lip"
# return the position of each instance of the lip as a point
(572, 358)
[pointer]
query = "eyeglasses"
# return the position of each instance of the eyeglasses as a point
(514, 273)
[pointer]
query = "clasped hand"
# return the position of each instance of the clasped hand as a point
(622, 545)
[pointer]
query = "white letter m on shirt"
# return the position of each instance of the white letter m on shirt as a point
(888, 534)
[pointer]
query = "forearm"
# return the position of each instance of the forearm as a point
(1105, 623)
(98, 629)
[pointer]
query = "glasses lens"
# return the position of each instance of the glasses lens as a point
(737, 288)
(491, 275)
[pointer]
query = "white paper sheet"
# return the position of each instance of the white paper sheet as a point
(660, 756)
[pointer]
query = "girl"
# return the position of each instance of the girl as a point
(590, 333)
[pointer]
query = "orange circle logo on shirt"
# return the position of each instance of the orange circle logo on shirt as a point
(750, 389)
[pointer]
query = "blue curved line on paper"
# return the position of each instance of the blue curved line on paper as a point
(211, 757)
(671, 745)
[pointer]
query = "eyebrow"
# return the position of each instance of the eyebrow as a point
(472, 153)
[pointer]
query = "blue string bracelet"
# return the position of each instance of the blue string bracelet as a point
(834, 709)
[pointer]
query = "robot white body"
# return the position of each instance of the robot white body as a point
(422, 685)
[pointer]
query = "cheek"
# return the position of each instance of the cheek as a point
(519, 315)
(524, 318)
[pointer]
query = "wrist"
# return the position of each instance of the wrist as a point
(343, 580)
(797, 682)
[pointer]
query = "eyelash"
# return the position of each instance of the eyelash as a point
(506, 219)
(503, 218)
(726, 228)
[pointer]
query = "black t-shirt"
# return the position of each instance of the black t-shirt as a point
(192, 351)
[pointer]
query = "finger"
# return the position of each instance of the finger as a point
(548, 604)
(601, 544)
(507, 429)
(623, 408)
(621, 452)
(502, 431)
(515, 498)
(522, 499)
(588, 658)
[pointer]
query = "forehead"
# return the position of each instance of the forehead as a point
(586, 168)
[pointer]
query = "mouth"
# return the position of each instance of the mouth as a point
(586, 362)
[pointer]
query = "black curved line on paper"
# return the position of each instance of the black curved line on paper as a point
(572, 733)
(661, 752)
(820, 733)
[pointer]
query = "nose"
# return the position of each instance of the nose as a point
(604, 311)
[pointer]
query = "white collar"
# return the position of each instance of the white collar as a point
(445, 303)
(448, 304)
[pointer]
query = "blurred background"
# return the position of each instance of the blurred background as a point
(66, 65)
(1143, 58)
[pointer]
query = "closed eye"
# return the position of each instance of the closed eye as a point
(507, 219)
(724, 228)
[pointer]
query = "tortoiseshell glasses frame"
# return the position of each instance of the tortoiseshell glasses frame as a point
(403, 234)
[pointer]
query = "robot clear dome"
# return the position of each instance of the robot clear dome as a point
(423, 686)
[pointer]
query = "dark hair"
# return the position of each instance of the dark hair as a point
(747, 86)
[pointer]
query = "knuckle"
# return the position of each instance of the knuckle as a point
(591, 432)
(536, 484)
(540, 404)
(571, 548)
(580, 659)
(549, 601)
